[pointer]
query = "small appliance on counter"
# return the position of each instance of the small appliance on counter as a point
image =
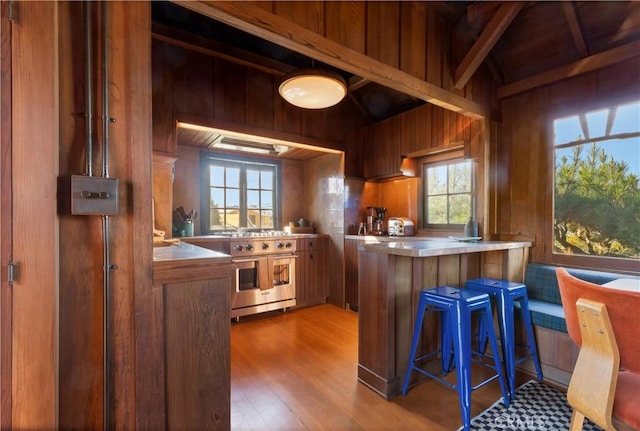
(400, 226)
(375, 221)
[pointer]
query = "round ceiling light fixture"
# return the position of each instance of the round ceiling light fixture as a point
(313, 88)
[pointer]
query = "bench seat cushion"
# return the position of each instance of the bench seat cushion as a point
(544, 294)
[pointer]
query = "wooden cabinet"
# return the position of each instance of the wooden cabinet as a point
(312, 285)
(192, 344)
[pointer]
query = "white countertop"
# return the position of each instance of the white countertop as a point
(184, 251)
(438, 247)
(629, 284)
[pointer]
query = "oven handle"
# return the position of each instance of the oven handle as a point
(245, 263)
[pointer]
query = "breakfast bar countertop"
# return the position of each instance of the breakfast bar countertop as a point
(440, 247)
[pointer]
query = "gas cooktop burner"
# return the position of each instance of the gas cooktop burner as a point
(263, 234)
(254, 234)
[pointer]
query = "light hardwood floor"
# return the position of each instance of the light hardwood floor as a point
(298, 371)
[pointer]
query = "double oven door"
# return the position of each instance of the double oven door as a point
(264, 283)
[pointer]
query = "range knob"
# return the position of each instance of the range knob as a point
(265, 246)
(288, 244)
(248, 247)
(281, 245)
(239, 247)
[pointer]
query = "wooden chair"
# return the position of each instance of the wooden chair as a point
(605, 386)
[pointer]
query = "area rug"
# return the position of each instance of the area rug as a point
(537, 407)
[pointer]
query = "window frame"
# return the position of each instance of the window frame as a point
(242, 162)
(624, 265)
(443, 158)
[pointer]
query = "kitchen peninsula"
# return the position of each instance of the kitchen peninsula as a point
(189, 327)
(390, 275)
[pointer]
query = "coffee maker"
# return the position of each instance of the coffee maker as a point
(375, 220)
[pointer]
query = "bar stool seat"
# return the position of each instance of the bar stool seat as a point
(455, 306)
(506, 295)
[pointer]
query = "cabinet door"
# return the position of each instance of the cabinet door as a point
(318, 285)
(312, 286)
(197, 343)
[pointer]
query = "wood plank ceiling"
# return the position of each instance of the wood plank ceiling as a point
(524, 45)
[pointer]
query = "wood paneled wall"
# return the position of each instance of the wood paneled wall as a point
(523, 179)
(80, 237)
(191, 86)
(427, 128)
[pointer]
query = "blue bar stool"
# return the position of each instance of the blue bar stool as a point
(455, 306)
(506, 295)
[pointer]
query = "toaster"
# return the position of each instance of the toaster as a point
(400, 226)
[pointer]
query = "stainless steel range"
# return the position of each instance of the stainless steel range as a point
(266, 273)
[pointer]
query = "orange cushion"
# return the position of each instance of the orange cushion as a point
(626, 406)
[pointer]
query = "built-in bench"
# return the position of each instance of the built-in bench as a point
(544, 295)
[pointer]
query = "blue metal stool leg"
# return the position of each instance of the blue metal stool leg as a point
(494, 348)
(526, 316)
(460, 318)
(446, 342)
(507, 331)
(414, 343)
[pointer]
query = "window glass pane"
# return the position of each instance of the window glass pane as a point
(567, 130)
(437, 180)
(233, 177)
(266, 199)
(217, 198)
(627, 119)
(253, 199)
(266, 180)
(460, 177)
(232, 219)
(233, 198)
(253, 179)
(216, 218)
(459, 208)
(437, 209)
(253, 218)
(597, 191)
(597, 122)
(216, 176)
(267, 219)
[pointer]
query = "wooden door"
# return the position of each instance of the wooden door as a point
(28, 215)
(5, 217)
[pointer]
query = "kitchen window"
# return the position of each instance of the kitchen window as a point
(240, 193)
(448, 193)
(596, 184)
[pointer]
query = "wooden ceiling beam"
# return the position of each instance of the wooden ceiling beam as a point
(479, 13)
(575, 27)
(212, 48)
(252, 19)
(588, 64)
(356, 83)
(485, 42)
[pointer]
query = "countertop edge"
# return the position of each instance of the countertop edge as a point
(440, 247)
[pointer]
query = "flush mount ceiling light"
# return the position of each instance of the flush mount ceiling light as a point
(313, 88)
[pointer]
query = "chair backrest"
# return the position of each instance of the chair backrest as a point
(623, 308)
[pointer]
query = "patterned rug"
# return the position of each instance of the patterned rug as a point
(537, 407)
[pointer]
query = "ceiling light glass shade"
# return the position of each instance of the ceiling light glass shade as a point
(313, 89)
